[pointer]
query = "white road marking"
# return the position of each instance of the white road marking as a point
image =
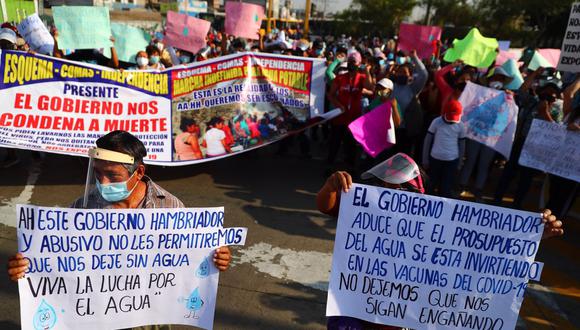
(8, 210)
(309, 268)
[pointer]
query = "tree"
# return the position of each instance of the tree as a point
(380, 16)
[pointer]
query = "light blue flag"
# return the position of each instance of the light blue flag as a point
(82, 27)
(511, 67)
(128, 41)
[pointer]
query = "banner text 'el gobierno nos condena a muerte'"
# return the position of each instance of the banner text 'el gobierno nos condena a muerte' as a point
(181, 114)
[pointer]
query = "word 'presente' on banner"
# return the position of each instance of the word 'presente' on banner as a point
(552, 148)
(113, 268)
(188, 114)
(424, 262)
(570, 55)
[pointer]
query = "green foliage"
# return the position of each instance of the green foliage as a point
(538, 23)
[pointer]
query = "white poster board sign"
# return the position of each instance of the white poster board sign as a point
(551, 148)
(111, 269)
(33, 30)
(411, 260)
(570, 55)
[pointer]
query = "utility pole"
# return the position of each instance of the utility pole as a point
(428, 13)
(307, 17)
(270, 14)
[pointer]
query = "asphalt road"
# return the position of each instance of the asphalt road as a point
(279, 279)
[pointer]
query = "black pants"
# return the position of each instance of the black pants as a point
(510, 171)
(562, 195)
(442, 174)
(340, 134)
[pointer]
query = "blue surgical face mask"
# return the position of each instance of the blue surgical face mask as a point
(115, 191)
(401, 60)
(183, 59)
(154, 59)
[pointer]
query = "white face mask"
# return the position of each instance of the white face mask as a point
(142, 61)
(159, 45)
(496, 84)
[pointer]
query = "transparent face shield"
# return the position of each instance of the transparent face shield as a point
(99, 154)
(397, 170)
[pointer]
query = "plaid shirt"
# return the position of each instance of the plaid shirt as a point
(155, 198)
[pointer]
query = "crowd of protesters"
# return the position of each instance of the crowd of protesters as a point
(363, 73)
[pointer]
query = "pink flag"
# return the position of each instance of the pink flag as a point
(185, 32)
(504, 56)
(551, 54)
(372, 130)
(420, 37)
(243, 19)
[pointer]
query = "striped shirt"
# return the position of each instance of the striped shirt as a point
(155, 198)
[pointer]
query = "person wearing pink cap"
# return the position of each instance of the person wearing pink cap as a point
(443, 148)
(402, 173)
(346, 94)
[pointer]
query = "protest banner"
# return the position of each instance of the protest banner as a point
(551, 148)
(192, 7)
(120, 268)
(185, 32)
(128, 41)
(490, 117)
(419, 37)
(375, 131)
(411, 260)
(60, 106)
(81, 27)
(475, 50)
(33, 30)
(243, 19)
(570, 54)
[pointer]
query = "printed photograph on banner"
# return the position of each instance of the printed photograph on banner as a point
(225, 106)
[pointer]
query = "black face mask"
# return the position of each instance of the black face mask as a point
(461, 86)
(401, 80)
(547, 97)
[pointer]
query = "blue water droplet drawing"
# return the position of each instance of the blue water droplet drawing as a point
(489, 119)
(45, 317)
(193, 304)
(431, 37)
(256, 18)
(203, 269)
(185, 31)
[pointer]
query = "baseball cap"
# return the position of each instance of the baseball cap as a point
(377, 53)
(386, 83)
(355, 56)
(8, 34)
(398, 169)
(452, 111)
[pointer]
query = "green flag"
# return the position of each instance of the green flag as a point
(475, 50)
